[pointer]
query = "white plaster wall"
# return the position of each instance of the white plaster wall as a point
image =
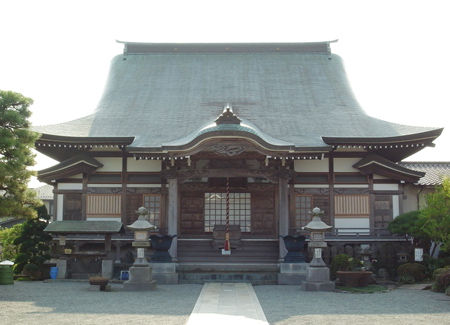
(134, 165)
(103, 219)
(360, 225)
(110, 164)
(345, 164)
(395, 206)
(409, 199)
(70, 186)
(104, 185)
(144, 185)
(311, 186)
(77, 176)
(60, 207)
(311, 166)
(351, 185)
(385, 187)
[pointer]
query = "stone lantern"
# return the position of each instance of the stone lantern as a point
(140, 274)
(318, 274)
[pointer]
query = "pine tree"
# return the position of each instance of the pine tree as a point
(16, 142)
(33, 243)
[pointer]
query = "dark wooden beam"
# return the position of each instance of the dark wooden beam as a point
(124, 178)
(84, 197)
(331, 187)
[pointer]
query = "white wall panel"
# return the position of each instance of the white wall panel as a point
(360, 225)
(134, 165)
(70, 186)
(60, 207)
(395, 206)
(311, 166)
(110, 164)
(345, 165)
(385, 187)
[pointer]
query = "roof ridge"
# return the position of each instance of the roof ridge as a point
(322, 47)
(425, 162)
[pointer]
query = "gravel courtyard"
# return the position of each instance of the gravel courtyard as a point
(75, 303)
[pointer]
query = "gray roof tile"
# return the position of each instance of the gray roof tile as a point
(292, 96)
(434, 171)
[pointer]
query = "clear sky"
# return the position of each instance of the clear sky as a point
(396, 53)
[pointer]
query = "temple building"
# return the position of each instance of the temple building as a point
(277, 122)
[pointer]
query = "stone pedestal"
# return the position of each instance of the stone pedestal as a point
(165, 273)
(62, 268)
(318, 279)
(292, 273)
(140, 279)
(107, 268)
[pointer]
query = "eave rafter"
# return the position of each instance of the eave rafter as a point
(79, 164)
(375, 164)
(394, 148)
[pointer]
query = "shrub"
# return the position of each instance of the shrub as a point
(433, 264)
(8, 250)
(343, 262)
(440, 271)
(415, 270)
(339, 263)
(442, 282)
(407, 279)
(32, 270)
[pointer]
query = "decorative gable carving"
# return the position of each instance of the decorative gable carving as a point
(227, 116)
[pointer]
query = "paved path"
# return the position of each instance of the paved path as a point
(73, 303)
(227, 303)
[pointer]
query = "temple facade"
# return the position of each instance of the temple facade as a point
(273, 127)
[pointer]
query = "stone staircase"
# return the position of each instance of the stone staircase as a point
(253, 261)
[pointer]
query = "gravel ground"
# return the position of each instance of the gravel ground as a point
(74, 303)
(289, 305)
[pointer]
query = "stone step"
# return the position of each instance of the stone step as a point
(228, 267)
(255, 278)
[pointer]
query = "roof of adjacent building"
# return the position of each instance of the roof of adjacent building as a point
(435, 171)
(291, 94)
(44, 192)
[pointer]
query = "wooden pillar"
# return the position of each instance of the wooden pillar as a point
(117, 255)
(107, 243)
(123, 202)
(283, 207)
(172, 215)
(371, 205)
(55, 202)
(331, 188)
(84, 197)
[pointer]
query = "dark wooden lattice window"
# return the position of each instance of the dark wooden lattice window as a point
(303, 207)
(153, 203)
(72, 206)
(215, 210)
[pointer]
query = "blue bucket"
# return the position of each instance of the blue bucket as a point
(124, 275)
(53, 272)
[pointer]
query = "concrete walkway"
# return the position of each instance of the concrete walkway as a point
(227, 303)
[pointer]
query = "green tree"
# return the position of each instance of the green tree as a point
(8, 250)
(412, 224)
(33, 243)
(16, 142)
(437, 215)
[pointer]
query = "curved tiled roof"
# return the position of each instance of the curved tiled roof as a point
(434, 171)
(293, 93)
